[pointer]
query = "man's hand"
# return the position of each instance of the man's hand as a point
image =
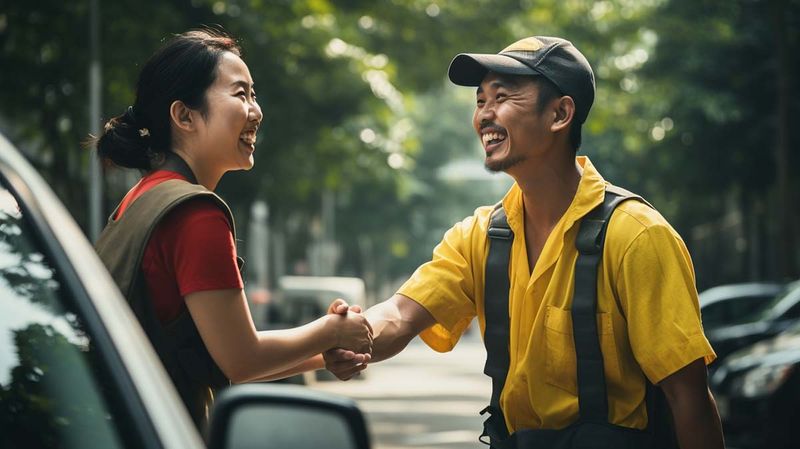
(351, 331)
(345, 364)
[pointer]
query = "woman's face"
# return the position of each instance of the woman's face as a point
(227, 135)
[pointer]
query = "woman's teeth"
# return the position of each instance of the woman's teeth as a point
(248, 138)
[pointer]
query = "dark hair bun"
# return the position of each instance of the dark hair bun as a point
(124, 142)
(181, 70)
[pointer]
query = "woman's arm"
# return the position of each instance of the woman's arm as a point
(338, 306)
(311, 364)
(245, 354)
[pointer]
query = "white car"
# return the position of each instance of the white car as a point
(77, 371)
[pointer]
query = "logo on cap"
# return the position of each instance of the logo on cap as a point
(527, 44)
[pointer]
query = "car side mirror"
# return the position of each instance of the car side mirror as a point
(284, 416)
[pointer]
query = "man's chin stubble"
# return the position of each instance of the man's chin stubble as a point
(503, 164)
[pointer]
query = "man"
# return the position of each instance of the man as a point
(532, 99)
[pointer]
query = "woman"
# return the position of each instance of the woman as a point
(170, 245)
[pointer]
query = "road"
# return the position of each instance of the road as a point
(421, 399)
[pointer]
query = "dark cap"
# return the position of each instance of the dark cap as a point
(554, 58)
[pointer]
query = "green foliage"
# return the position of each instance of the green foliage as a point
(686, 110)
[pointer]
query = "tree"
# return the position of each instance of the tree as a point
(692, 109)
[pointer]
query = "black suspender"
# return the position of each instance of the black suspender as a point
(497, 323)
(592, 397)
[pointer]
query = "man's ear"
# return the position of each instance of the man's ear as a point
(183, 117)
(564, 109)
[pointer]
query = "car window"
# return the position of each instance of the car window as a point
(53, 390)
(714, 315)
(775, 307)
(734, 310)
(741, 310)
(750, 305)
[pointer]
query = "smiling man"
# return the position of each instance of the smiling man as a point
(561, 246)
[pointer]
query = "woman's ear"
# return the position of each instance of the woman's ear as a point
(564, 113)
(182, 117)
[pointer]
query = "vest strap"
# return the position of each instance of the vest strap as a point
(176, 164)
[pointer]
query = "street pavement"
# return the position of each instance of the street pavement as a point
(422, 399)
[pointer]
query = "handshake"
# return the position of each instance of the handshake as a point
(351, 350)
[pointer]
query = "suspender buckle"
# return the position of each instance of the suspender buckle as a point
(500, 233)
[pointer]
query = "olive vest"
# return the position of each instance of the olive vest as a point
(121, 247)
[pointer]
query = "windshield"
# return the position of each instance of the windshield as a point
(774, 307)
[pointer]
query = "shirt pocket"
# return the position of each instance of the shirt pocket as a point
(560, 359)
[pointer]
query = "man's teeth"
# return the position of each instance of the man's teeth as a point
(489, 137)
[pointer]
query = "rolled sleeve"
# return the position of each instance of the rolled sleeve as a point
(657, 291)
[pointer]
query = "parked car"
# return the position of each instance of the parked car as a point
(776, 316)
(725, 305)
(758, 391)
(77, 371)
(302, 299)
(305, 298)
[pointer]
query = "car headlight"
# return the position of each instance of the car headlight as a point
(762, 381)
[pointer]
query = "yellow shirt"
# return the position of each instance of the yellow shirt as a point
(648, 313)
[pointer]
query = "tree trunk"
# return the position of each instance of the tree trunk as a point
(787, 266)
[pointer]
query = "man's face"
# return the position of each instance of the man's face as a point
(507, 120)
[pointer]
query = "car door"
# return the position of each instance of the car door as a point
(56, 389)
(75, 369)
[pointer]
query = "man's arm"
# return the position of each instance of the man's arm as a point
(693, 408)
(395, 322)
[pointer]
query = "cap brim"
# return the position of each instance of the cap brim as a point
(469, 69)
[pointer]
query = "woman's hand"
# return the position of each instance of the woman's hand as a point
(356, 362)
(340, 307)
(351, 329)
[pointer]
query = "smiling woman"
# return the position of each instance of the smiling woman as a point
(170, 244)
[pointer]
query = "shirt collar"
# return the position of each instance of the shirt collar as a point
(591, 190)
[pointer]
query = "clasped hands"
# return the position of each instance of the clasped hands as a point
(353, 349)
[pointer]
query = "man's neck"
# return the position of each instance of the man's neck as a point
(548, 189)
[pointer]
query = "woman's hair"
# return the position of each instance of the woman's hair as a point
(182, 69)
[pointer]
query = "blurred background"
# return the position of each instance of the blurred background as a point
(366, 154)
